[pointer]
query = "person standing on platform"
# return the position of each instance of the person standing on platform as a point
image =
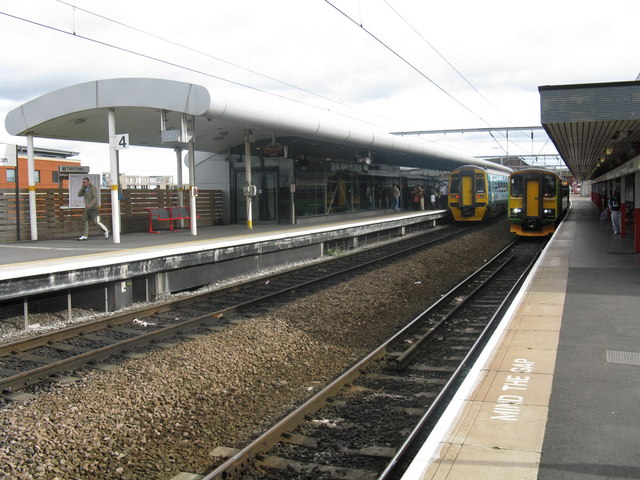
(91, 211)
(614, 206)
(396, 198)
(443, 195)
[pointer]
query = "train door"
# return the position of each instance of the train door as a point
(533, 198)
(466, 189)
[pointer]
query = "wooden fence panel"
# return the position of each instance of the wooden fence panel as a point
(57, 220)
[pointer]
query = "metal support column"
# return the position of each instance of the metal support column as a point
(25, 308)
(33, 214)
(115, 200)
(193, 190)
(247, 169)
(178, 151)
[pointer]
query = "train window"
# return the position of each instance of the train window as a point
(455, 184)
(549, 186)
(480, 183)
(516, 186)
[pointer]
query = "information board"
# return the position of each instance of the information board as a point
(75, 184)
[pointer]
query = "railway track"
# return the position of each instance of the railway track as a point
(367, 423)
(41, 358)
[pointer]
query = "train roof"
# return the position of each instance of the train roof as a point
(535, 170)
(499, 169)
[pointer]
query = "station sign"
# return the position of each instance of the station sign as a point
(72, 169)
(65, 170)
(120, 141)
(8, 155)
(274, 150)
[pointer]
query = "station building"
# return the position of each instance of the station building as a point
(47, 163)
(276, 160)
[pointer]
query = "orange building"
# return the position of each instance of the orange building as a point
(46, 166)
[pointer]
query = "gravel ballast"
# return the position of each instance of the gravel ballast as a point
(155, 417)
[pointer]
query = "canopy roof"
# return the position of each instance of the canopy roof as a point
(595, 127)
(79, 113)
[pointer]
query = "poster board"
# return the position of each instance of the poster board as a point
(75, 184)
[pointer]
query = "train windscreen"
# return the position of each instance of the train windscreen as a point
(454, 186)
(516, 186)
(549, 186)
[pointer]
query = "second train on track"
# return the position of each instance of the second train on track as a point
(538, 199)
(477, 193)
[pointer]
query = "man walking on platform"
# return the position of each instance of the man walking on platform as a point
(614, 208)
(91, 210)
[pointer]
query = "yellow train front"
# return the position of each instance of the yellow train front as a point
(538, 199)
(477, 193)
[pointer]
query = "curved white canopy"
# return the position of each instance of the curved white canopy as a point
(79, 113)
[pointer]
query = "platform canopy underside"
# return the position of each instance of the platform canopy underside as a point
(595, 127)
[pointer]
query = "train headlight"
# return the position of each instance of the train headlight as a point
(549, 212)
(516, 212)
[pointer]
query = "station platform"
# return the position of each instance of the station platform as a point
(176, 260)
(554, 395)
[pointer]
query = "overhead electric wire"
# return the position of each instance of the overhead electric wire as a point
(176, 65)
(199, 52)
(213, 57)
(223, 79)
(446, 61)
(412, 66)
(423, 74)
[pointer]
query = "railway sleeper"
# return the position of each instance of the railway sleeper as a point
(32, 357)
(300, 440)
(372, 451)
(8, 372)
(342, 473)
(98, 338)
(65, 347)
(431, 368)
(397, 378)
(130, 332)
(462, 348)
(463, 339)
(280, 463)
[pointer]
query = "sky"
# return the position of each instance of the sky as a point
(405, 65)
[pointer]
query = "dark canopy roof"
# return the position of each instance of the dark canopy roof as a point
(595, 127)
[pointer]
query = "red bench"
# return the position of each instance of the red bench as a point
(168, 214)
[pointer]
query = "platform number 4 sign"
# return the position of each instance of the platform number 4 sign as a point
(120, 141)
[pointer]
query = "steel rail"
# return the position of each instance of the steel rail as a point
(405, 358)
(41, 373)
(234, 464)
(75, 330)
(454, 381)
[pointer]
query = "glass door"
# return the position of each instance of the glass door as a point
(264, 206)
